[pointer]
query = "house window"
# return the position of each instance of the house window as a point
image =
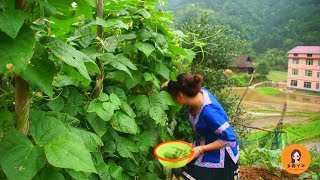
(309, 55)
(318, 62)
(308, 73)
(294, 71)
(317, 86)
(295, 54)
(294, 83)
(295, 61)
(309, 62)
(307, 84)
(318, 74)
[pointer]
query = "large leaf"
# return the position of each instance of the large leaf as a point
(127, 109)
(159, 115)
(99, 125)
(68, 151)
(118, 91)
(124, 123)
(91, 140)
(64, 10)
(19, 158)
(142, 104)
(16, 53)
(127, 62)
(162, 70)
(56, 104)
(128, 143)
(110, 23)
(45, 128)
(71, 56)
(39, 73)
(157, 99)
(146, 140)
(146, 48)
(11, 21)
(104, 110)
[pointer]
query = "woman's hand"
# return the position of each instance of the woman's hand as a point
(164, 85)
(197, 151)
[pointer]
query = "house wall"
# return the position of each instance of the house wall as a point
(301, 67)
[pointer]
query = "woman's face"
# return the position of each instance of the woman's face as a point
(296, 156)
(180, 99)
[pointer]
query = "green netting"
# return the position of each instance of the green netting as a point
(271, 140)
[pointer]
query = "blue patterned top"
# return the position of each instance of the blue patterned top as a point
(211, 124)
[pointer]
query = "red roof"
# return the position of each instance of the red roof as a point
(306, 50)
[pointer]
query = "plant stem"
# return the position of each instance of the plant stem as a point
(99, 77)
(21, 104)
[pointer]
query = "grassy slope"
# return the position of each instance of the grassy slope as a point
(268, 91)
(305, 131)
(277, 76)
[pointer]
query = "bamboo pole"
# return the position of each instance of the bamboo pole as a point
(100, 76)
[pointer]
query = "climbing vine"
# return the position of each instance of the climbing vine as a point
(83, 78)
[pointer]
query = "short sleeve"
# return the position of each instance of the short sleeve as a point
(219, 125)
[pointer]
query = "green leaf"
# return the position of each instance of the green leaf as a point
(103, 97)
(147, 76)
(77, 174)
(68, 151)
(127, 62)
(104, 110)
(45, 128)
(90, 140)
(159, 115)
(63, 80)
(146, 48)
(73, 76)
(110, 23)
(144, 13)
(19, 158)
(116, 171)
(124, 123)
(39, 73)
(118, 91)
(167, 98)
(162, 70)
(16, 53)
(127, 109)
(64, 9)
(99, 126)
(123, 150)
(101, 167)
(111, 44)
(11, 21)
(70, 55)
(74, 101)
(157, 99)
(114, 99)
(142, 104)
(128, 143)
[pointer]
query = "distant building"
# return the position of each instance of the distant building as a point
(304, 68)
(243, 64)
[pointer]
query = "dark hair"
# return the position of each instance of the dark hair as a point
(187, 84)
(294, 151)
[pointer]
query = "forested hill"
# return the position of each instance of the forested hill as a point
(267, 24)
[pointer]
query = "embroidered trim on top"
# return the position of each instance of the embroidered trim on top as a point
(208, 164)
(227, 143)
(233, 157)
(206, 101)
(223, 127)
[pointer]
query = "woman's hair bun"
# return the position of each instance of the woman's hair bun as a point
(197, 78)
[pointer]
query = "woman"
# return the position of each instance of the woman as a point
(216, 150)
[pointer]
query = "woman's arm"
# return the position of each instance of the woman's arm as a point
(209, 147)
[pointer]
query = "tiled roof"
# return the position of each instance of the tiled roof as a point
(306, 50)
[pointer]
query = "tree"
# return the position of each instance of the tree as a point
(263, 69)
